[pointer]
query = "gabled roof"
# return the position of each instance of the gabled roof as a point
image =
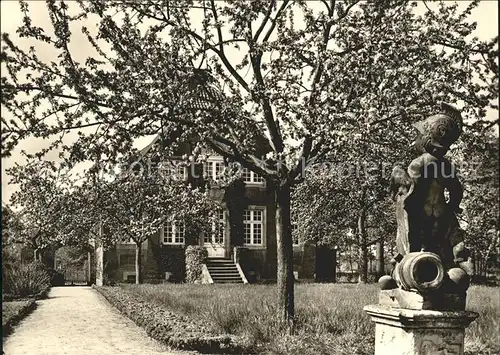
(203, 94)
(203, 91)
(144, 151)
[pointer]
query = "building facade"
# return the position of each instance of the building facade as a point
(246, 222)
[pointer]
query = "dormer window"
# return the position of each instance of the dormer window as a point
(213, 168)
(174, 170)
(250, 177)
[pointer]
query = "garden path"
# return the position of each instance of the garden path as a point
(79, 321)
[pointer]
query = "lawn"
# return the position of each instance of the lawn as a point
(329, 317)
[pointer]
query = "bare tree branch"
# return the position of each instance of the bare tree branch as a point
(272, 4)
(273, 21)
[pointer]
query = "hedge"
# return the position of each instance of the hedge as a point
(8, 297)
(196, 256)
(171, 259)
(171, 329)
(14, 312)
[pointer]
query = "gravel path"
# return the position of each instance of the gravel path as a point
(77, 320)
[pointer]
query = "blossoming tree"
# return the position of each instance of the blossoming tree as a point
(302, 76)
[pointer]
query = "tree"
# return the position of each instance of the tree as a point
(346, 196)
(140, 201)
(348, 67)
(11, 225)
(39, 201)
(479, 168)
(351, 194)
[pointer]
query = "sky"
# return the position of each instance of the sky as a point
(486, 16)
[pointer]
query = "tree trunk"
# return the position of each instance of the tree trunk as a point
(351, 268)
(89, 268)
(285, 256)
(99, 259)
(363, 252)
(336, 264)
(491, 247)
(474, 264)
(138, 264)
(380, 258)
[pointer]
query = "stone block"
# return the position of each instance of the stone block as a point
(418, 332)
(399, 298)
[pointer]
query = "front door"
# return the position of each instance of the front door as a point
(215, 246)
(214, 242)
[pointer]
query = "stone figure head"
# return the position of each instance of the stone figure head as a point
(438, 132)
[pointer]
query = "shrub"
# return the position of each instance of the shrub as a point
(171, 259)
(108, 281)
(196, 256)
(28, 280)
(56, 277)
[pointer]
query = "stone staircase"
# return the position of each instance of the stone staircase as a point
(223, 271)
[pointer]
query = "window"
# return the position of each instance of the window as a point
(253, 223)
(295, 233)
(218, 228)
(218, 169)
(174, 232)
(207, 169)
(213, 169)
(127, 259)
(250, 177)
(174, 170)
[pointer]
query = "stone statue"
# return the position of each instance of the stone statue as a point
(421, 309)
(427, 195)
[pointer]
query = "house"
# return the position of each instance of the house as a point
(247, 228)
(244, 248)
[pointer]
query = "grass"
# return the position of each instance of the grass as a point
(13, 312)
(329, 317)
(483, 335)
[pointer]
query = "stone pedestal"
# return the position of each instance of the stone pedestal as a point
(401, 331)
(398, 298)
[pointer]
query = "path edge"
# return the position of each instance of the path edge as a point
(25, 311)
(210, 345)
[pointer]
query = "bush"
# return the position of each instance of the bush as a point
(28, 280)
(56, 277)
(196, 256)
(171, 259)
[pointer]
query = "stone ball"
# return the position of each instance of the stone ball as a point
(387, 283)
(459, 278)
